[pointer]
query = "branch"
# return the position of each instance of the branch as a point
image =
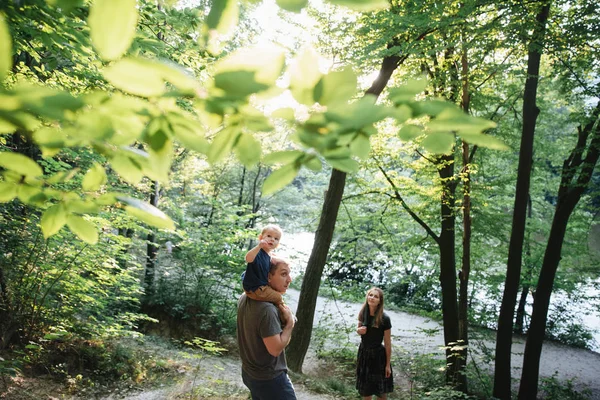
(399, 198)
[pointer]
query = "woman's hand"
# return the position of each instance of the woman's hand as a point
(388, 371)
(361, 330)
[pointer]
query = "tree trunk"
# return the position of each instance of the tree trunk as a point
(502, 375)
(296, 351)
(298, 346)
(152, 248)
(520, 315)
(454, 374)
(463, 291)
(241, 194)
(569, 194)
(122, 255)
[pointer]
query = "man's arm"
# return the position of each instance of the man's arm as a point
(276, 343)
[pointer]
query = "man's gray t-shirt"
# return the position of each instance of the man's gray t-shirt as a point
(257, 320)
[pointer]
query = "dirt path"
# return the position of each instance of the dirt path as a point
(419, 335)
(410, 333)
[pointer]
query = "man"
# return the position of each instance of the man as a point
(262, 340)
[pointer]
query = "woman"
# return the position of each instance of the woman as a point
(374, 370)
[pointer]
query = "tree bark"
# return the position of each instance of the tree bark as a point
(463, 290)
(502, 375)
(296, 351)
(570, 191)
(447, 238)
(151, 248)
(520, 315)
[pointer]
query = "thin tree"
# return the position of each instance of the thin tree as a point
(502, 375)
(309, 291)
(575, 178)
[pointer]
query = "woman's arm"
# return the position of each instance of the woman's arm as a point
(361, 329)
(387, 343)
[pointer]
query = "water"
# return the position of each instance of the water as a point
(297, 247)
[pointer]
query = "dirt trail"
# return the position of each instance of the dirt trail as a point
(414, 334)
(419, 335)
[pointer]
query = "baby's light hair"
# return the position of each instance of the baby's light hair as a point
(271, 227)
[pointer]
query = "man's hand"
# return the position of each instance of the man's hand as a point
(287, 315)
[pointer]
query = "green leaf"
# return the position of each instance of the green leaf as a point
(292, 5)
(31, 195)
(112, 25)
(94, 179)
(20, 164)
(304, 76)
(347, 165)
(159, 163)
(222, 144)
(82, 207)
(219, 25)
(85, 230)
(49, 138)
(65, 5)
(400, 114)
(266, 62)
(8, 191)
(239, 83)
(45, 101)
(5, 48)
(439, 142)
(287, 113)
(223, 16)
(156, 136)
(435, 107)
(53, 219)
(282, 157)
(363, 5)
(456, 120)
(410, 132)
(188, 132)
(247, 149)
(147, 213)
(483, 140)
(337, 153)
(127, 169)
(361, 146)
(358, 114)
(336, 87)
(280, 178)
(408, 91)
(313, 163)
(179, 77)
(137, 76)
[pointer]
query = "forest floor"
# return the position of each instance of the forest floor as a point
(219, 377)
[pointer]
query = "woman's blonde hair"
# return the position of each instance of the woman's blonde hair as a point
(364, 311)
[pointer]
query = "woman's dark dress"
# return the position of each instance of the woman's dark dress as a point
(371, 360)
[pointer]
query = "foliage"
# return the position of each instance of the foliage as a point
(62, 284)
(87, 363)
(554, 389)
(158, 125)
